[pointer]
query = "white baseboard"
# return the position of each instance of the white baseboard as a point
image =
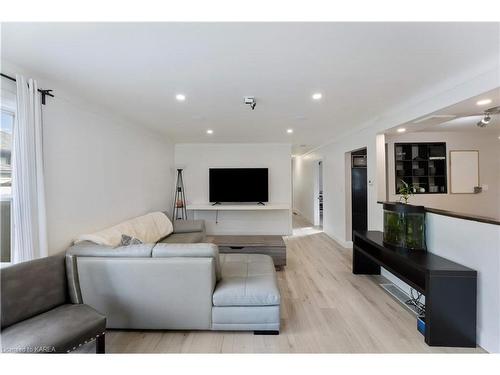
(341, 242)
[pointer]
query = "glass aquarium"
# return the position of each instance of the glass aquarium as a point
(404, 226)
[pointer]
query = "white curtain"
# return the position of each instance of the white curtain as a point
(29, 234)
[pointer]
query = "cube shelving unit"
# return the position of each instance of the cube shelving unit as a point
(422, 165)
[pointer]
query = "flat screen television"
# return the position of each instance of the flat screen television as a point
(238, 185)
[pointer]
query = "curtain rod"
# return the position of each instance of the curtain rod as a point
(43, 92)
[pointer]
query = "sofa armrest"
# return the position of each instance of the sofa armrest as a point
(192, 250)
(188, 226)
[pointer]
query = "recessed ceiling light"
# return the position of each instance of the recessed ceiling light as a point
(401, 130)
(483, 101)
(317, 96)
(289, 131)
(210, 131)
(180, 97)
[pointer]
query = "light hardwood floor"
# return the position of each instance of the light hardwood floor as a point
(325, 309)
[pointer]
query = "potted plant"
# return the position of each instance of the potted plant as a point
(404, 224)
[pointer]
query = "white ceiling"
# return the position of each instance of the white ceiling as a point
(362, 69)
(461, 117)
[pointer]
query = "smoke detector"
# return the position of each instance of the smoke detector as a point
(250, 100)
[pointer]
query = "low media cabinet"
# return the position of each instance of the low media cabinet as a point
(450, 288)
(271, 245)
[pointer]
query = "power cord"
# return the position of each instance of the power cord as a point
(415, 302)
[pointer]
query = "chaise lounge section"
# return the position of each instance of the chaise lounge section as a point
(247, 296)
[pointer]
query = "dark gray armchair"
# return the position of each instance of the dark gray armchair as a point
(37, 316)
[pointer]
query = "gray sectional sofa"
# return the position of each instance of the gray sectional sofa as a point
(179, 283)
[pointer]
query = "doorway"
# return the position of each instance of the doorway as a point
(359, 190)
(318, 194)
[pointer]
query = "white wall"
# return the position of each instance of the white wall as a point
(99, 170)
(486, 203)
(335, 207)
(196, 159)
(303, 186)
(307, 180)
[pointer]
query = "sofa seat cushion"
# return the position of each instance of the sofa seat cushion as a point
(190, 237)
(247, 280)
(59, 330)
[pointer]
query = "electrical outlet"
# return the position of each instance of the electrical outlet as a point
(485, 187)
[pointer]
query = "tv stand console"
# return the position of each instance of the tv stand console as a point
(449, 288)
(220, 204)
(237, 207)
(272, 245)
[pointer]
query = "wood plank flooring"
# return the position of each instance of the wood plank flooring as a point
(325, 309)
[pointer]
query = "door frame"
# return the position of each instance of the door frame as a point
(316, 189)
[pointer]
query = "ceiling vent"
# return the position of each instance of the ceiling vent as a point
(434, 119)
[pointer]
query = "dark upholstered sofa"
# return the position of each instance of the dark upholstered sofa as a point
(37, 315)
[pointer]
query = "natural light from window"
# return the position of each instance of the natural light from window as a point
(6, 125)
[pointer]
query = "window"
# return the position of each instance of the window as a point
(6, 125)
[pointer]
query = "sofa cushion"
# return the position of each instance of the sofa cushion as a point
(247, 280)
(183, 250)
(191, 237)
(58, 330)
(31, 288)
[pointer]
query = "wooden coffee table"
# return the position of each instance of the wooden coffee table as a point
(274, 246)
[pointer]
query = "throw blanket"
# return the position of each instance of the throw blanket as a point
(149, 228)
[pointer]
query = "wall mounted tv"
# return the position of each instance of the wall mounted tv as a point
(238, 185)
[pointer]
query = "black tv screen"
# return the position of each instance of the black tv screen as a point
(238, 185)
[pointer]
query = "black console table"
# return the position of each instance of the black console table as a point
(449, 288)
